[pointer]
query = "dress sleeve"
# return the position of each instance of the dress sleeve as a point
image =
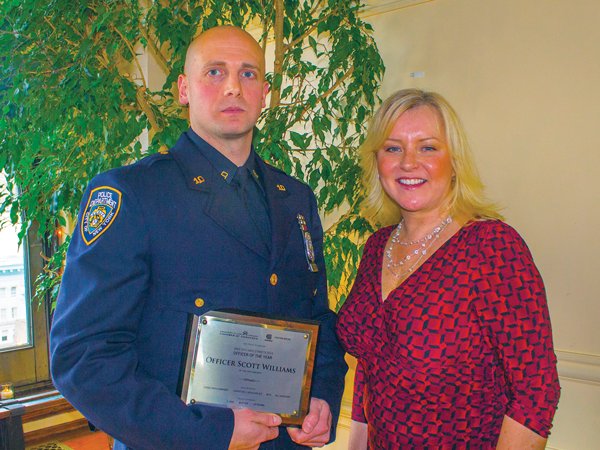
(358, 407)
(513, 313)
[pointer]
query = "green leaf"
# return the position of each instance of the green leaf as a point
(313, 44)
(81, 114)
(297, 139)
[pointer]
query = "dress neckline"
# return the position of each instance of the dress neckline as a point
(431, 257)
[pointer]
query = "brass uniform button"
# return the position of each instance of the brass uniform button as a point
(273, 279)
(199, 302)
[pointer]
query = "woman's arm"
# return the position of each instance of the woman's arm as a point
(358, 436)
(513, 436)
(512, 309)
(358, 424)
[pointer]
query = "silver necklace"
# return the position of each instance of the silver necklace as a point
(418, 253)
(436, 230)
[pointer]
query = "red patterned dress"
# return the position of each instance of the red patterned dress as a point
(463, 341)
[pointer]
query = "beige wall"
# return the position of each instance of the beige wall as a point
(524, 75)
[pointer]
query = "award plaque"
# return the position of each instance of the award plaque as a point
(236, 359)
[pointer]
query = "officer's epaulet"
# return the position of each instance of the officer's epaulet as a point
(155, 157)
(276, 169)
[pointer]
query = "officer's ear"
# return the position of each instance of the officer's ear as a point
(183, 89)
(266, 89)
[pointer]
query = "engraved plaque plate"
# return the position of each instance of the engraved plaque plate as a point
(244, 360)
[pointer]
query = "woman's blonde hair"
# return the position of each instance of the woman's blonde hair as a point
(466, 200)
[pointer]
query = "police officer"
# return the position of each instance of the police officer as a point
(207, 225)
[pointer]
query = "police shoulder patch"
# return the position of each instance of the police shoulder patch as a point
(100, 212)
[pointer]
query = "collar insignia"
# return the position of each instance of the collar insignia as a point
(102, 208)
(199, 179)
(281, 187)
(224, 174)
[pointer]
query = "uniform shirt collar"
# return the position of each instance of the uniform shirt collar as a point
(221, 163)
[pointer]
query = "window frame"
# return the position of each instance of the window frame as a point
(28, 367)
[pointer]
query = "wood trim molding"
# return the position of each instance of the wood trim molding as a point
(49, 433)
(40, 405)
(572, 366)
(374, 7)
(579, 367)
(47, 408)
(37, 412)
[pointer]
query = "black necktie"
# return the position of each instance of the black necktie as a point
(254, 202)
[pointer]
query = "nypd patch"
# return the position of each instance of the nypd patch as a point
(102, 208)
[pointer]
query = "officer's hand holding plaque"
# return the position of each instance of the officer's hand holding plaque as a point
(236, 359)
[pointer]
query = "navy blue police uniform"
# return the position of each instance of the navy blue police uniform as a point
(156, 241)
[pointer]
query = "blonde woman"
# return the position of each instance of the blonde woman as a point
(447, 316)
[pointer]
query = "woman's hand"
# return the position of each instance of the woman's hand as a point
(358, 436)
(514, 436)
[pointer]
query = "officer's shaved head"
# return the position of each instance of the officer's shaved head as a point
(223, 33)
(225, 88)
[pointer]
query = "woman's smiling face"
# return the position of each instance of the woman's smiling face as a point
(414, 164)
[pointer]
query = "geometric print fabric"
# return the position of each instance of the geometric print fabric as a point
(462, 342)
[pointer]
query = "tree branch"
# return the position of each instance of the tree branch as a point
(265, 27)
(70, 25)
(14, 33)
(265, 35)
(133, 54)
(279, 53)
(327, 93)
(102, 61)
(308, 32)
(45, 72)
(331, 230)
(140, 96)
(141, 91)
(348, 215)
(76, 31)
(160, 58)
(316, 7)
(49, 23)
